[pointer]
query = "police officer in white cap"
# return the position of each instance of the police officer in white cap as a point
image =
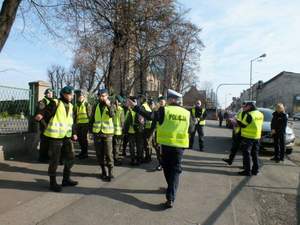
(174, 125)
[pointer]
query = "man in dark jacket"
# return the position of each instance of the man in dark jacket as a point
(199, 114)
(278, 126)
(43, 151)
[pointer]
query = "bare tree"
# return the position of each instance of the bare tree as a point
(57, 76)
(7, 17)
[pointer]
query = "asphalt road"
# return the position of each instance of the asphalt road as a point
(210, 192)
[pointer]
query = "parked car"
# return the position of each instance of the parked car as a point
(296, 116)
(266, 138)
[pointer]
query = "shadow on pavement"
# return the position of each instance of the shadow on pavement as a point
(122, 195)
(214, 216)
(210, 171)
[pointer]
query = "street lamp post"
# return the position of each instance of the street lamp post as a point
(250, 84)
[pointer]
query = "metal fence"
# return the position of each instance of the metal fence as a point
(15, 109)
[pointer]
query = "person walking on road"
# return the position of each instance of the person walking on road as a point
(103, 130)
(236, 136)
(59, 133)
(251, 127)
(199, 114)
(81, 117)
(278, 129)
(173, 136)
(220, 117)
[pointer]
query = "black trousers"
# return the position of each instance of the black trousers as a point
(236, 142)
(199, 130)
(279, 145)
(220, 122)
(171, 164)
(250, 148)
(82, 132)
(43, 151)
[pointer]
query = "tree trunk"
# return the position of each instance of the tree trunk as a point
(7, 17)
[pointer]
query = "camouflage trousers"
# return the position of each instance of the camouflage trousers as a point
(56, 149)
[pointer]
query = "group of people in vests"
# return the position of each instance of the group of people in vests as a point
(246, 135)
(166, 127)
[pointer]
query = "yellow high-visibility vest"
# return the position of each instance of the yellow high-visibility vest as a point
(46, 100)
(103, 123)
(174, 129)
(81, 114)
(238, 117)
(131, 113)
(201, 122)
(148, 109)
(60, 125)
(253, 130)
(117, 120)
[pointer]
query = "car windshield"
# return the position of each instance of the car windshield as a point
(267, 114)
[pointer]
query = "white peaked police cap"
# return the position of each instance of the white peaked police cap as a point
(173, 94)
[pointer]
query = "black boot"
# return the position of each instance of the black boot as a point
(103, 173)
(67, 181)
(110, 174)
(53, 185)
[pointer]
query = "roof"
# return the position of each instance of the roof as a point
(281, 74)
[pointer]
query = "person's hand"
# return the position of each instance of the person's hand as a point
(131, 103)
(74, 137)
(38, 117)
(107, 102)
(273, 132)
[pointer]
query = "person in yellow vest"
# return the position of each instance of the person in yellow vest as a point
(199, 114)
(133, 127)
(148, 132)
(236, 135)
(59, 133)
(174, 125)
(118, 131)
(251, 128)
(157, 147)
(81, 117)
(43, 151)
(103, 130)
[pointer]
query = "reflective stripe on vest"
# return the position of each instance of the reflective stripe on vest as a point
(103, 123)
(174, 129)
(131, 113)
(117, 120)
(81, 114)
(201, 122)
(60, 125)
(46, 100)
(148, 109)
(253, 130)
(238, 117)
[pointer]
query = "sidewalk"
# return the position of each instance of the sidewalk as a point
(210, 192)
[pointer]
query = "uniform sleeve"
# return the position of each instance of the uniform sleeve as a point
(192, 124)
(92, 117)
(204, 115)
(111, 111)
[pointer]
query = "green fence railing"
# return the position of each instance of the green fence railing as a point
(15, 109)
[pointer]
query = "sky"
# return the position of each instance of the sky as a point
(233, 32)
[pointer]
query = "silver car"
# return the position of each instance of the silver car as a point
(266, 137)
